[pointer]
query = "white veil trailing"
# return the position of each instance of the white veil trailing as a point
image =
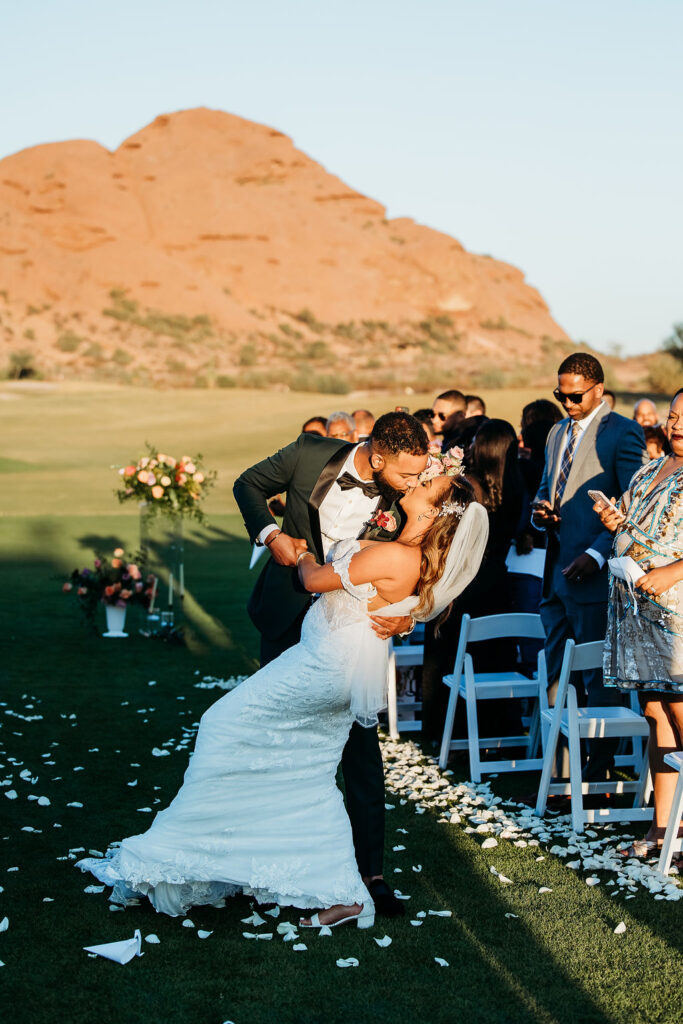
(462, 564)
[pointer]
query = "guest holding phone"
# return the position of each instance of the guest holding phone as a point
(644, 645)
(591, 448)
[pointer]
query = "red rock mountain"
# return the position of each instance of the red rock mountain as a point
(207, 246)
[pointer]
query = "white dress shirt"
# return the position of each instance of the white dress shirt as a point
(343, 514)
(582, 424)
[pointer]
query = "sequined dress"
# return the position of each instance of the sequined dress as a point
(644, 642)
(259, 810)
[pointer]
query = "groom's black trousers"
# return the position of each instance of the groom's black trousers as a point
(363, 773)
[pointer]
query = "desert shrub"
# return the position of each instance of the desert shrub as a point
(248, 355)
(30, 334)
(68, 342)
(349, 330)
(175, 366)
(224, 381)
(22, 366)
(318, 350)
(290, 331)
(494, 377)
(201, 381)
(121, 357)
(94, 351)
(308, 318)
(325, 384)
(663, 373)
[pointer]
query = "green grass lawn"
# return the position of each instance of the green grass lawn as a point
(557, 961)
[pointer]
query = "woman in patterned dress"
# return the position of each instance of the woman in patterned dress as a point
(644, 643)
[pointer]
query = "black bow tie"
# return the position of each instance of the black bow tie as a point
(369, 488)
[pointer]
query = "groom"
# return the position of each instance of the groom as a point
(333, 490)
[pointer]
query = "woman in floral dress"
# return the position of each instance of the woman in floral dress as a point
(644, 643)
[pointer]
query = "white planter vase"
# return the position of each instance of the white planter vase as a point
(116, 620)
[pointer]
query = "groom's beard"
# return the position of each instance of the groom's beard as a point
(389, 493)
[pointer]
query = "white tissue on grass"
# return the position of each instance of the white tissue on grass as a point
(348, 962)
(386, 941)
(441, 962)
(620, 928)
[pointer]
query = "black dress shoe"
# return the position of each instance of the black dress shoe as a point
(385, 902)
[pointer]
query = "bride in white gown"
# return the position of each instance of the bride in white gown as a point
(259, 811)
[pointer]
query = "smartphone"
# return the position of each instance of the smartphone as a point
(601, 496)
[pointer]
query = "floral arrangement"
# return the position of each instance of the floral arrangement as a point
(166, 484)
(117, 582)
(383, 521)
(442, 463)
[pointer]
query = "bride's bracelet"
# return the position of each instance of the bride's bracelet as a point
(303, 554)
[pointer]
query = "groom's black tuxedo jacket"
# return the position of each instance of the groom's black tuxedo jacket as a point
(305, 469)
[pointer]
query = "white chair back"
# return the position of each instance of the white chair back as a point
(577, 658)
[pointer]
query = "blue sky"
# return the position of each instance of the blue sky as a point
(547, 134)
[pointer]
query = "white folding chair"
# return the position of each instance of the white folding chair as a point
(577, 724)
(405, 656)
(672, 843)
(474, 687)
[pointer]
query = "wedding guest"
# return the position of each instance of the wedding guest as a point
(644, 644)
(364, 421)
(476, 406)
(425, 418)
(656, 441)
(493, 471)
(316, 425)
(341, 426)
(609, 398)
(538, 418)
(446, 406)
(592, 448)
(645, 413)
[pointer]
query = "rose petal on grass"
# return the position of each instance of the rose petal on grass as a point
(416, 924)
(158, 752)
(441, 962)
(300, 947)
(153, 939)
(593, 881)
(544, 888)
(512, 915)
(4, 924)
(187, 923)
(325, 931)
(620, 928)
(440, 913)
(349, 962)
(386, 941)
(202, 934)
(94, 888)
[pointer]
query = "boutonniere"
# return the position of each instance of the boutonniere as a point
(383, 521)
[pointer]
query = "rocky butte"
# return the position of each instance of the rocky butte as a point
(207, 250)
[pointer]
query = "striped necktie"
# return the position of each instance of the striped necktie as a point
(566, 465)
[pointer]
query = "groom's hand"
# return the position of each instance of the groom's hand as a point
(388, 625)
(284, 548)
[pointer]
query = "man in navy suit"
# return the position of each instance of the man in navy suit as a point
(591, 449)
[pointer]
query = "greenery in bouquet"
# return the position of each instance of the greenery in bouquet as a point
(166, 484)
(117, 581)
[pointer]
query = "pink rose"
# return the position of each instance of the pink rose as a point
(82, 591)
(142, 476)
(129, 471)
(133, 571)
(157, 492)
(67, 587)
(199, 478)
(98, 563)
(116, 563)
(190, 467)
(118, 552)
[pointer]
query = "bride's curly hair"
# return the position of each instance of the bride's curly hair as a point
(436, 544)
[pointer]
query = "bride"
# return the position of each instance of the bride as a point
(259, 810)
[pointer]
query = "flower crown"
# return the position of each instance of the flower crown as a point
(442, 464)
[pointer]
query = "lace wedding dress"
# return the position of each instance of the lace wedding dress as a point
(259, 811)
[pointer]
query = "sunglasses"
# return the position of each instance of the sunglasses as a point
(439, 416)
(575, 397)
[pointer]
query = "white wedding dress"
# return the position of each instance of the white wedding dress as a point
(259, 811)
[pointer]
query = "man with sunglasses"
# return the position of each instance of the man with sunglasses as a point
(446, 406)
(591, 448)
